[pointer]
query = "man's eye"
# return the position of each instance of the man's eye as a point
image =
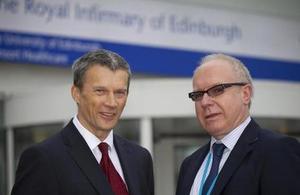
(99, 91)
(121, 93)
(197, 95)
(217, 90)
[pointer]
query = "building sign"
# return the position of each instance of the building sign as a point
(155, 37)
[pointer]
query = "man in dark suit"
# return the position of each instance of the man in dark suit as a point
(241, 158)
(86, 157)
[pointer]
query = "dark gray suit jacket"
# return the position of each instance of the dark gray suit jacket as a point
(64, 165)
(261, 163)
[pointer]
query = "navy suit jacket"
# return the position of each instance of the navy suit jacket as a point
(64, 165)
(261, 163)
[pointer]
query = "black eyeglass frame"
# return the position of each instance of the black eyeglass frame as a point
(196, 94)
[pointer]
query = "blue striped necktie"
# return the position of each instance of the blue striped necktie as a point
(213, 173)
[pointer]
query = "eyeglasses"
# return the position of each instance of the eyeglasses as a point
(213, 91)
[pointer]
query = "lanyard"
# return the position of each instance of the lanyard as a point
(203, 177)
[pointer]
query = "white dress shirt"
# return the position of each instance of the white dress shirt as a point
(229, 141)
(93, 142)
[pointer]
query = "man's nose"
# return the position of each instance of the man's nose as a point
(206, 100)
(111, 100)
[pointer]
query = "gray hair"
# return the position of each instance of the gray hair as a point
(100, 57)
(241, 71)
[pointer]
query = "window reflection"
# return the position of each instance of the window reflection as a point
(286, 126)
(129, 129)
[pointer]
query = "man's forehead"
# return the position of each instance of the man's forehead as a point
(214, 72)
(215, 66)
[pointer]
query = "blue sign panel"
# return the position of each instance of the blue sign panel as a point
(62, 51)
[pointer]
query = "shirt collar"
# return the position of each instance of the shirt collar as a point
(231, 139)
(92, 140)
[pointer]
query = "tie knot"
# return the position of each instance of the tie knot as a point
(218, 149)
(103, 147)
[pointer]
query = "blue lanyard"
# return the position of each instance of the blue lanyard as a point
(204, 177)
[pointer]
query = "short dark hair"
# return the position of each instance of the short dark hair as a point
(100, 57)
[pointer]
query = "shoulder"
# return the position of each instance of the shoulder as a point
(269, 139)
(272, 138)
(51, 146)
(38, 156)
(278, 147)
(36, 168)
(132, 153)
(44, 149)
(130, 145)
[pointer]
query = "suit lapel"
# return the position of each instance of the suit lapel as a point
(192, 168)
(128, 164)
(239, 152)
(85, 160)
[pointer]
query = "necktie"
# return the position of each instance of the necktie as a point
(115, 180)
(217, 155)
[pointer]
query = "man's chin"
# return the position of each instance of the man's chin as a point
(108, 126)
(214, 130)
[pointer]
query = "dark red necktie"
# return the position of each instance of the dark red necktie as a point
(115, 180)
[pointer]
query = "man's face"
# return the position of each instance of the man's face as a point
(220, 114)
(101, 99)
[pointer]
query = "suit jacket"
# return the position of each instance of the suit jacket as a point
(262, 162)
(64, 165)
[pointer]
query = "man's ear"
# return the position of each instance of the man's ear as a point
(247, 93)
(75, 91)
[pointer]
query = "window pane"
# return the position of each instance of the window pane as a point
(129, 129)
(286, 126)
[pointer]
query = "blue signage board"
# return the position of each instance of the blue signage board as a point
(62, 51)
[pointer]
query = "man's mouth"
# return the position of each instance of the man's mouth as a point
(211, 116)
(107, 115)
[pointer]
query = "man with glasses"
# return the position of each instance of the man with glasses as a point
(241, 158)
